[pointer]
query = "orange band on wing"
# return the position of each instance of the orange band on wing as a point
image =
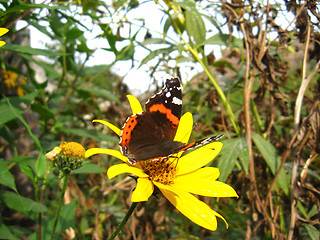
(125, 135)
(162, 109)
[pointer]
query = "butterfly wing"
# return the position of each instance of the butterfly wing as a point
(150, 134)
(169, 103)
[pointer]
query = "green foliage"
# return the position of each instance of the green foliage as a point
(67, 220)
(233, 149)
(272, 159)
(50, 94)
(21, 204)
(6, 177)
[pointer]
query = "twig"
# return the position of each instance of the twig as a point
(304, 83)
(287, 153)
(297, 111)
(247, 93)
(304, 171)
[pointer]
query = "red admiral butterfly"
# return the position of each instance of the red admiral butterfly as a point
(149, 135)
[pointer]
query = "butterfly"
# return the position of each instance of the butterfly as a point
(149, 134)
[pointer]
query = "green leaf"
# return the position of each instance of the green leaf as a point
(41, 166)
(223, 40)
(31, 51)
(42, 110)
(166, 26)
(231, 150)
(18, 115)
(22, 159)
(244, 154)
(150, 41)
(195, 25)
(73, 34)
(313, 211)
(5, 232)
(89, 168)
(156, 53)
(185, 4)
(312, 231)
(6, 113)
(224, 63)
(272, 159)
(126, 53)
(302, 209)
(25, 164)
(100, 92)
(21, 204)
(7, 135)
(112, 39)
(20, 7)
(6, 177)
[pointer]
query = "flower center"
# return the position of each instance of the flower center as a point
(72, 149)
(162, 170)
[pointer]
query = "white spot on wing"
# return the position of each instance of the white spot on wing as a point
(177, 101)
(168, 94)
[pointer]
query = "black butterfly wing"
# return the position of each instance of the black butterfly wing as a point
(169, 102)
(150, 134)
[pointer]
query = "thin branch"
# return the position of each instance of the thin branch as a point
(304, 83)
(297, 112)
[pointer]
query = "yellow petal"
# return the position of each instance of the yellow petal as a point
(111, 152)
(210, 173)
(220, 216)
(3, 31)
(198, 158)
(109, 125)
(185, 128)
(2, 43)
(204, 187)
(115, 170)
(134, 104)
(143, 190)
(194, 209)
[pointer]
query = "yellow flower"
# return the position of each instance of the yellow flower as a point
(10, 78)
(2, 32)
(68, 156)
(178, 178)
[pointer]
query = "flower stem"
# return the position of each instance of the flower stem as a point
(124, 220)
(64, 184)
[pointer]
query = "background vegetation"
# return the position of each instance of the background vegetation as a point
(262, 93)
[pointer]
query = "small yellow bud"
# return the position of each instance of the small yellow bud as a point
(68, 156)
